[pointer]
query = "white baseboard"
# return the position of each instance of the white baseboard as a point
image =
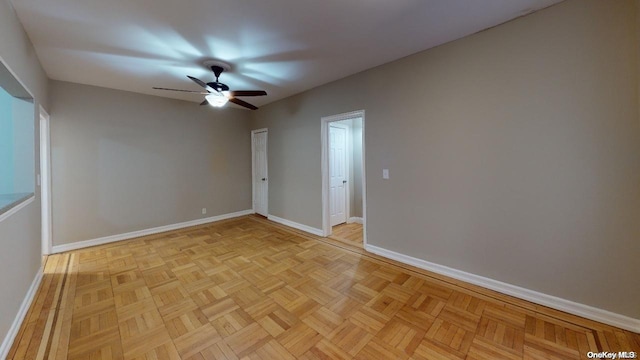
(22, 312)
(557, 303)
(295, 225)
(134, 234)
(353, 219)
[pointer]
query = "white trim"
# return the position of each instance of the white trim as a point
(354, 219)
(134, 234)
(324, 136)
(253, 168)
(364, 185)
(45, 185)
(295, 225)
(554, 302)
(22, 312)
(17, 208)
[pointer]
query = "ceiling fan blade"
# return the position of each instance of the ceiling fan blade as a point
(201, 83)
(247, 93)
(243, 103)
(205, 102)
(187, 91)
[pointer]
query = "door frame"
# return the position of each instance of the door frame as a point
(349, 150)
(324, 138)
(253, 168)
(45, 182)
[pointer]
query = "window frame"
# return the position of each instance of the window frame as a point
(17, 205)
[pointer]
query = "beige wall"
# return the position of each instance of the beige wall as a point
(514, 153)
(124, 162)
(20, 233)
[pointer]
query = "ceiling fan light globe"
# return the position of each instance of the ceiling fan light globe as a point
(216, 100)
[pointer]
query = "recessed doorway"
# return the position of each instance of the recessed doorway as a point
(260, 178)
(343, 178)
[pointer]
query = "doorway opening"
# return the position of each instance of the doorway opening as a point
(343, 178)
(259, 172)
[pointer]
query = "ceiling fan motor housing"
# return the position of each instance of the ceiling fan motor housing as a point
(218, 86)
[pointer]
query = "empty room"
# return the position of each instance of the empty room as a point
(280, 179)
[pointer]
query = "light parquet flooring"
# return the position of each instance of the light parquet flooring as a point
(249, 289)
(350, 233)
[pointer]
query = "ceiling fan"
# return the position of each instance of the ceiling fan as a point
(218, 94)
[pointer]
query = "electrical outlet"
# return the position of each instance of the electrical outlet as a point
(204, 211)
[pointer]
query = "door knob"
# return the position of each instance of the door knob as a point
(264, 179)
(344, 181)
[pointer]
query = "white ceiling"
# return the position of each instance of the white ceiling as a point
(281, 46)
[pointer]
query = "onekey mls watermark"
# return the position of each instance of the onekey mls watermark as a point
(612, 355)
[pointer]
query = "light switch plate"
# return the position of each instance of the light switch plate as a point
(385, 173)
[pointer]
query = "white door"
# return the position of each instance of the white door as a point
(337, 173)
(260, 179)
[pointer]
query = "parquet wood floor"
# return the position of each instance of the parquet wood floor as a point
(247, 288)
(350, 233)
